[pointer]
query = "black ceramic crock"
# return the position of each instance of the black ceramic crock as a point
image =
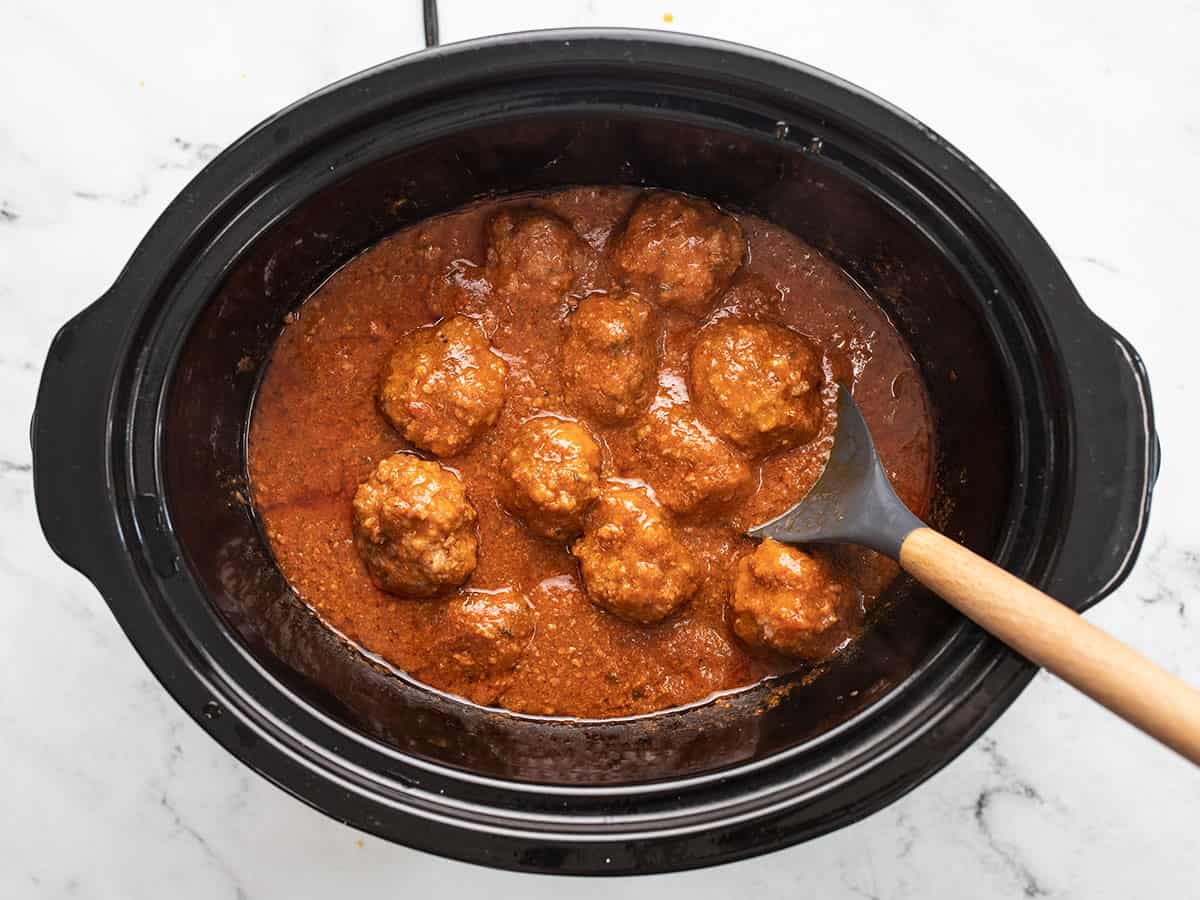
(1047, 453)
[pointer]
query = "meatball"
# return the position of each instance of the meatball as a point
(688, 466)
(443, 386)
(791, 602)
(414, 527)
(678, 252)
(632, 561)
(610, 356)
(532, 251)
(758, 384)
(551, 476)
(484, 634)
(751, 297)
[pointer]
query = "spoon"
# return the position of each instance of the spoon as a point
(853, 502)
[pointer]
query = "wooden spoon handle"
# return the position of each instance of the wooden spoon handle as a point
(1059, 639)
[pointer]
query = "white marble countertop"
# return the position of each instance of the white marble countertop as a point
(1088, 117)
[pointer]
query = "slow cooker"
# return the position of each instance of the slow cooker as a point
(1047, 451)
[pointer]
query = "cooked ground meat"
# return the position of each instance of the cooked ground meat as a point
(443, 386)
(414, 527)
(792, 602)
(751, 297)
(758, 384)
(481, 637)
(633, 563)
(530, 251)
(609, 357)
(689, 467)
(679, 252)
(552, 475)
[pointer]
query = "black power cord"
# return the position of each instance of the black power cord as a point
(429, 7)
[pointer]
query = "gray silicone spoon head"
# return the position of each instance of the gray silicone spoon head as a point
(852, 502)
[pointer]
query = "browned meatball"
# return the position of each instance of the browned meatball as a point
(414, 527)
(443, 386)
(758, 384)
(610, 356)
(533, 251)
(484, 634)
(551, 476)
(680, 253)
(751, 296)
(633, 563)
(791, 602)
(689, 467)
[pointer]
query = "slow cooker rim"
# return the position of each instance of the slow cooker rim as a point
(657, 786)
(698, 779)
(642, 788)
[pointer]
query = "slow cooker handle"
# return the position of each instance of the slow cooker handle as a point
(1116, 457)
(69, 439)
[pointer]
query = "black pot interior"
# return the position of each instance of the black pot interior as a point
(788, 179)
